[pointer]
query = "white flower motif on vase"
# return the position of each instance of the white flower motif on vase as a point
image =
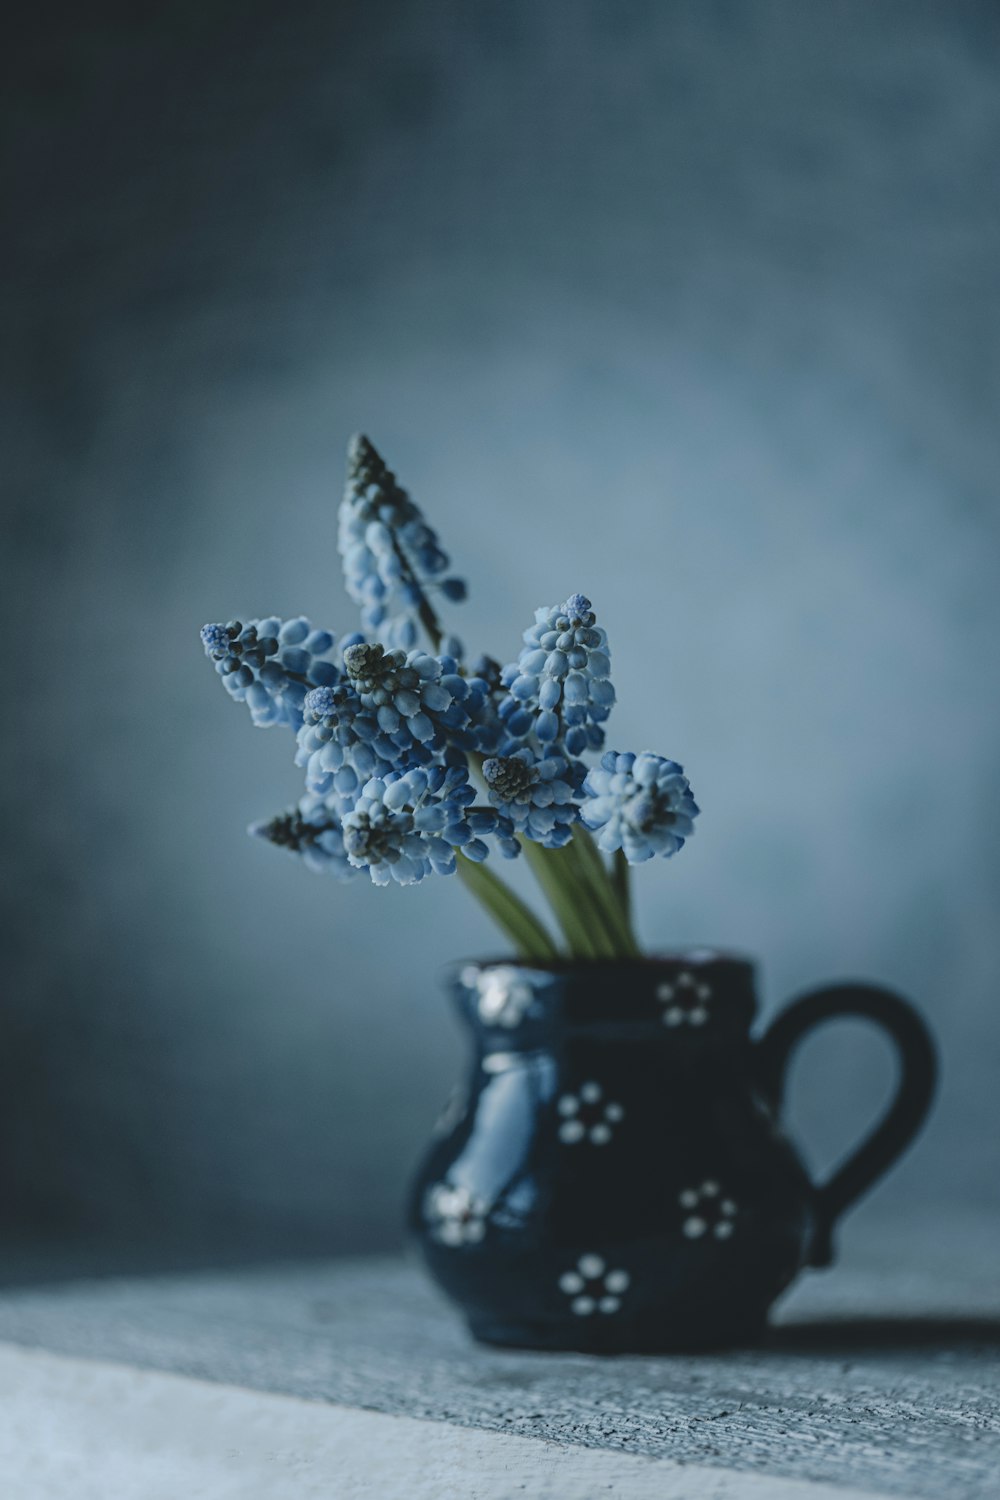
(503, 995)
(709, 1212)
(454, 1215)
(685, 1000)
(592, 1288)
(588, 1116)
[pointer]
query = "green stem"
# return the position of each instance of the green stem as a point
(578, 877)
(510, 913)
(567, 898)
(592, 870)
(621, 879)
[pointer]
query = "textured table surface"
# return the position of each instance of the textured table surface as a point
(881, 1376)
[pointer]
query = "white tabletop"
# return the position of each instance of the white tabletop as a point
(353, 1379)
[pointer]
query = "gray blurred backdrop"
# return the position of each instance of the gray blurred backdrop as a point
(690, 306)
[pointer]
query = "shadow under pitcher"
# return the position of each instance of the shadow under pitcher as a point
(615, 1178)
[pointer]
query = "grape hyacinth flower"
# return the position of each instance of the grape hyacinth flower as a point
(355, 730)
(391, 556)
(405, 689)
(313, 832)
(641, 804)
(270, 665)
(559, 688)
(537, 795)
(342, 746)
(426, 696)
(408, 824)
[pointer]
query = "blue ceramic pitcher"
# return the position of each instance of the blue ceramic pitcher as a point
(615, 1177)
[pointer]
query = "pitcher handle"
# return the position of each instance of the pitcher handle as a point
(904, 1116)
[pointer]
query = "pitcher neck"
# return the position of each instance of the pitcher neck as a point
(697, 995)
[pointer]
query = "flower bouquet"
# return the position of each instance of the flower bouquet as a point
(420, 762)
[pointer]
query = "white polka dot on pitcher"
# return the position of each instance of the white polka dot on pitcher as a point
(592, 1288)
(587, 1116)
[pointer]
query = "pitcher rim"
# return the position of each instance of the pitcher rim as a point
(699, 955)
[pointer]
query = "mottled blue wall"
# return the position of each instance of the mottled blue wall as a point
(693, 307)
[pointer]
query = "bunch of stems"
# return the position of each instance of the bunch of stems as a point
(589, 901)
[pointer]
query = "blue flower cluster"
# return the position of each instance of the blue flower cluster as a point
(559, 689)
(641, 804)
(341, 746)
(312, 831)
(426, 695)
(391, 556)
(271, 666)
(537, 794)
(389, 711)
(408, 824)
(552, 702)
